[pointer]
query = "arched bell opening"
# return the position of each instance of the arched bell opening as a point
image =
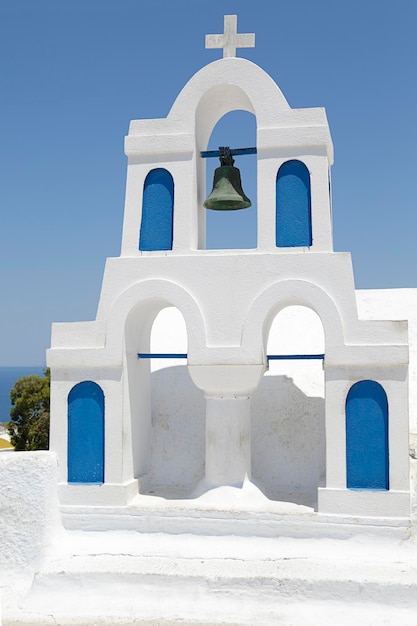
(288, 415)
(166, 409)
(233, 229)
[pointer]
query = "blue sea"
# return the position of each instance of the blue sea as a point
(8, 377)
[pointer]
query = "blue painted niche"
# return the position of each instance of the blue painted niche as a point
(86, 433)
(293, 205)
(367, 455)
(156, 230)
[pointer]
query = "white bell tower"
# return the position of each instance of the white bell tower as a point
(103, 424)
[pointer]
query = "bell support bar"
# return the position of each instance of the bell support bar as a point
(294, 357)
(270, 357)
(207, 154)
(158, 355)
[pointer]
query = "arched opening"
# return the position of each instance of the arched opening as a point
(86, 433)
(156, 230)
(168, 336)
(167, 409)
(288, 427)
(293, 205)
(367, 458)
(233, 229)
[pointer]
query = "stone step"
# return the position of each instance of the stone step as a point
(133, 578)
(280, 519)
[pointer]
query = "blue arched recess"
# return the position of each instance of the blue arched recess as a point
(86, 433)
(157, 211)
(367, 462)
(293, 205)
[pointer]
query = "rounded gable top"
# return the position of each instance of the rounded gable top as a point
(230, 84)
(226, 85)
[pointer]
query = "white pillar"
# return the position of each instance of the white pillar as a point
(228, 445)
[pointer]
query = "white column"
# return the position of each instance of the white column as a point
(228, 440)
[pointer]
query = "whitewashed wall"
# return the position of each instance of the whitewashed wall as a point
(287, 423)
(28, 506)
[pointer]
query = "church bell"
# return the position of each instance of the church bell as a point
(227, 193)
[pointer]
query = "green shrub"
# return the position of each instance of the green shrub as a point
(29, 424)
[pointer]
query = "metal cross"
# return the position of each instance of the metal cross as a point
(230, 40)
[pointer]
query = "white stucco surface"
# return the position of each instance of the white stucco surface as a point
(400, 304)
(257, 553)
(287, 411)
(299, 573)
(29, 506)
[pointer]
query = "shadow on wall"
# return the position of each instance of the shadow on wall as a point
(178, 433)
(288, 441)
(288, 438)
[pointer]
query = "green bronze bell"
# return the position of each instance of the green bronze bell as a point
(227, 193)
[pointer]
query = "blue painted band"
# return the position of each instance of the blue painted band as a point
(270, 357)
(293, 357)
(207, 154)
(154, 355)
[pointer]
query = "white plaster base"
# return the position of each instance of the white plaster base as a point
(243, 524)
(124, 578)
(225, 511)
(364, 503)
(291, 613)
(228, 557)
(104, 495)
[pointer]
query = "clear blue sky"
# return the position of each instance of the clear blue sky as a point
(75, 72)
